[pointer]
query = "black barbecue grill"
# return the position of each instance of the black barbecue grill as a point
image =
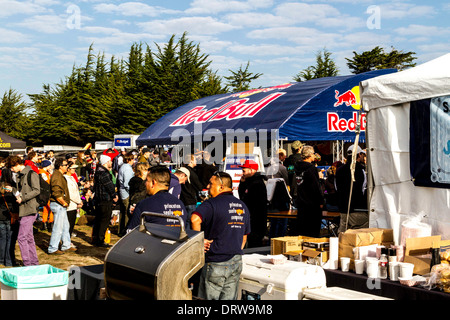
(154, 261)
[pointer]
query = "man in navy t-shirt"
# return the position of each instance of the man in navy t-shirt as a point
(225, 221)
(161, 201)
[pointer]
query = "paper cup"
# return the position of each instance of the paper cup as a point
(359, 266)
(345, 264)
(406, 270)
(394, 271)
(372, 268)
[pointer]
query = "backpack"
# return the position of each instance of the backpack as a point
(44, 187)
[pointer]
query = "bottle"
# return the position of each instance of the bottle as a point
(392, 255)
(435, 257)
(108, 236)
(383, 266)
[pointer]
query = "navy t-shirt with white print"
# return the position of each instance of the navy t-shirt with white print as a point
(225, 220)
(163, 203)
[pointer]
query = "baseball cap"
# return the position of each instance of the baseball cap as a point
(250, 164)
(46, 163)
(359, 150)
(186, 172)
(296, 144)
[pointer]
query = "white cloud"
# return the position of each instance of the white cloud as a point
(136, 9)
(255, 19)
(194, 25)
(104, 30)
(399, 10)
(10, 36)
(264, 49)
(220, 6)
(421, 30)
(51, 24)
(119, 39)
(12, 7)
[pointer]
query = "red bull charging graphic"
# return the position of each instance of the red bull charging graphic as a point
(347, 99)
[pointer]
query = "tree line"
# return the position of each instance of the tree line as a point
(102, 98)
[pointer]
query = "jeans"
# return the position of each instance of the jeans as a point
(5, 243)
(60, 231)
(220, 280)
(25, 238)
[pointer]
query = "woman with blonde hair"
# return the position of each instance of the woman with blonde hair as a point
(138, 192)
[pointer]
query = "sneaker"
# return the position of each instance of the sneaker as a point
(71, 249)
(56, 252)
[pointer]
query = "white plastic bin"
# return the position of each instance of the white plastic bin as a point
(262, 280)
(337, 293)
(43, 282)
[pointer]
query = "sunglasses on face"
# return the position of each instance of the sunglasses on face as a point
(217, 174)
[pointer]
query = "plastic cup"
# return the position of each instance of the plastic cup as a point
(394, 271)
(345, 264)
(406, 270)
(372, 268)
(359, 266)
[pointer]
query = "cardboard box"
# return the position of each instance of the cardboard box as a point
(294, 255)
(366, 236)
(418, 252)
(315, 257)
(316, 243)
(285, 244)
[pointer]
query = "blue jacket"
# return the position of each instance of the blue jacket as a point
(125, 174)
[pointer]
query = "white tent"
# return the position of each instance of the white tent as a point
(393, 197)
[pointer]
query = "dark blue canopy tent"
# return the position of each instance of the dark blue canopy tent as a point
(322, 109)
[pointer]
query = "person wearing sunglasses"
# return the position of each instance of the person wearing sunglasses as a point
(252, 190)
(59, 202)
(225, 221)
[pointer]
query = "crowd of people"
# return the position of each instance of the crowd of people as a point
(196, 194)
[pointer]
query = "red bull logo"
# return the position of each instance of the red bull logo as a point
(232, 110)
(348, 98)
(338, 124)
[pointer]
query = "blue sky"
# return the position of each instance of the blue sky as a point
(41, 40)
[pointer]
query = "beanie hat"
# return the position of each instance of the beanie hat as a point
(104, 159)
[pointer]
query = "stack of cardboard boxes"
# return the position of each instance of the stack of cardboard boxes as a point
(302, 248)
(359, 243)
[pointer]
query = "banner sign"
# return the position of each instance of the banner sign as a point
(430, 142)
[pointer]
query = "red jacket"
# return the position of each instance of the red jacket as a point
(32, 165)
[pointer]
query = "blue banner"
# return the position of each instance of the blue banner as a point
(322, 109)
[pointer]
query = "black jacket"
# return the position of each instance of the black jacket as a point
(309, 190)
(253, 192)
(105, 190)
(343, 181)
(189, 190)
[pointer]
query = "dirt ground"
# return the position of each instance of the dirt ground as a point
(85, 255)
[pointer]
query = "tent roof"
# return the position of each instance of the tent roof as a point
(9, 143)
(299, 110)
(425, 81)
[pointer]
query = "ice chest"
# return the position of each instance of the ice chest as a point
(337, 293)
(262, 280)
(43, 282)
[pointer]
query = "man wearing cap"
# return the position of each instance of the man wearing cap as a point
(105, 195)
(225, 221)
(181, 176)
(309, 200)
(47, 216)
(290, 161)
(252, 190)
(358, 217)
